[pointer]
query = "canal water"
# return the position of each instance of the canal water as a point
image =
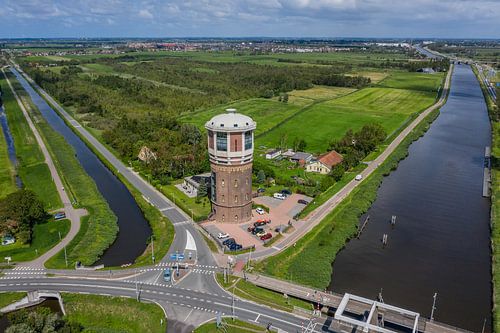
(11, 151)
(134, 229)
(440, 243)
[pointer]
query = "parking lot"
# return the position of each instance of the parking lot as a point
(281, 213)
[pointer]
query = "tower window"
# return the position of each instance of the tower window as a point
(236, 199)
(222, 182)
(222, 141)
(248, 140)
(246, 181)
(246, 196)
(236, 218)
(236, 183)
(223, 199)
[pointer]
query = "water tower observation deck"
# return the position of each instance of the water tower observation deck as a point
(230, 138)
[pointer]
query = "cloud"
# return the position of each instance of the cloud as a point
(447, 18)
(146, 14)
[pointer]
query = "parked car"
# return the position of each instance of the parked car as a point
(286, 191)
(260, 233)
(222, 235)
(302, 201)
(261, 223)
(167, 274)
(261, 190)
(59, 216)
(228, 241)
(266, 236)
(257, 230)
(279, 196)
(235, 247)
(358, 177)
(260, 211)
(251, 228)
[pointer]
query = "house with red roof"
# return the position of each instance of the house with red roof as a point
(324, 163)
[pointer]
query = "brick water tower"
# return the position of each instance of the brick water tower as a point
(230, 149)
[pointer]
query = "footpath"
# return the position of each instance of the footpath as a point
(72, 214)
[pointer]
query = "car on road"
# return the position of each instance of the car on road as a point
(222, 235)
(266, 236)
(59, 216)
(260, 210)
(228, 241)
(302, 201)
(260, 233)
(167, 274)
(358, 177)
(279, 196)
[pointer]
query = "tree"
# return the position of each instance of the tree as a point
(284, 99)
(301, 146)
(261, 177)
(202, 190)
(19, 211)
(337, 172)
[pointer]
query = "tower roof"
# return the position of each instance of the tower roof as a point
(230, 121)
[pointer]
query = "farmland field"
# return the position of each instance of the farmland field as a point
(413, 81)
(329, 120)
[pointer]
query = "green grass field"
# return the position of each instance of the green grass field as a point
(102, 314)
(32, 168)
(413, 81)
(45, 236)
(7, 183)
(326, 121)
(231, 326)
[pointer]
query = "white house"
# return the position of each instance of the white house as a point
(324, 163)
(272, 154)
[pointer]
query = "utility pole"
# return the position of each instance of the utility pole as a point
(136, 287)
(65, 256)
(232, 303)
(433, 306)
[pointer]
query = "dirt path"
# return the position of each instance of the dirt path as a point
(72, 214)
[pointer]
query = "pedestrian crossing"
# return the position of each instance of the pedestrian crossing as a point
(27, 268)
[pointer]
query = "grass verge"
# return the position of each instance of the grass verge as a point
(247, 290)
(319, 247)
(7, 184)
(113, 314)
(7, 298)
(230, 326)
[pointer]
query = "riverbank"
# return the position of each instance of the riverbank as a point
(162, 228)
(493, 111)
(319, 247)
(7, 173)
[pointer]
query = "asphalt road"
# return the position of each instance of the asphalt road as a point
(193, 301)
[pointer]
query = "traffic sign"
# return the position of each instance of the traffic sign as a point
(177, 256)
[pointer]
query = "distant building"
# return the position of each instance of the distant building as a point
(426, 70)
(192, 183)
(288, 153)
(272, 154)
(301, 157)
(324, 163)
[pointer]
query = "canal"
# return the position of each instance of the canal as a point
(11, 150)
(134, 229)
(440, 243)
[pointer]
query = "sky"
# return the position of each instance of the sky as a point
(250, 18)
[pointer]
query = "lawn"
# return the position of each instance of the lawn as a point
(7, 184)
(32, 168)
(413, 81)
(45, 236)
(326, 121)
(199, 211)
(230, 326)
(114, 314)
(7, 298)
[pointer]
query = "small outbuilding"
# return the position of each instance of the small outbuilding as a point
(301, 157)
(272, 154)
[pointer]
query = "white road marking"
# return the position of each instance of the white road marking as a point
(188, 314)
(190, 243)
(256, 319)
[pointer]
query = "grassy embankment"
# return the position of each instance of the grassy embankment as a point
(7, 173)
(162, 228)
(319, 247)
(495, 201)
(236, 326)
(32, 168)
(7, 298)
(98, 229)
(113, 314)
(247, 290)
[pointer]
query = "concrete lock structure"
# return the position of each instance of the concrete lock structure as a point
(230, 149)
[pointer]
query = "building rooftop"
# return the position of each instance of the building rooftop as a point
(301, 156)
(230, 121)
(331, 158)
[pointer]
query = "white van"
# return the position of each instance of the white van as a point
(280, 196)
